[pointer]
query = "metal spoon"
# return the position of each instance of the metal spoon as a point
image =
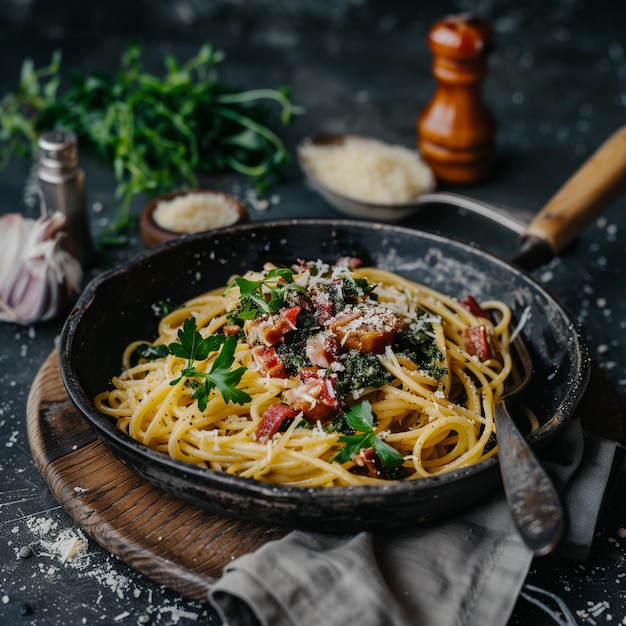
(533, 499)
(600, 180)
(356, 207)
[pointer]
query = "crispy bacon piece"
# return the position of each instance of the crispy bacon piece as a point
(271, 421)
(289, 315)
(316, 397)
(369, 461)
(231, 329)
(349, 261)
(322, 349)
(476, 339)
(368, 332)
(470, 303)
(268, 361)
(265, 330)
(271, 329)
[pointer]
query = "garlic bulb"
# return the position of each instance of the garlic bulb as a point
(36, 274)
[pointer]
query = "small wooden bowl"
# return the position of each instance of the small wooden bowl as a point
(152, 233)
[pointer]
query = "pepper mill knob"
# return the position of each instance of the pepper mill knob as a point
(456, 131)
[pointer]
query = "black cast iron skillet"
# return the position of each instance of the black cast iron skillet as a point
(118, 307)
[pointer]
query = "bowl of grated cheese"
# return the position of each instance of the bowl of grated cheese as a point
(188, 211)
(365, 177)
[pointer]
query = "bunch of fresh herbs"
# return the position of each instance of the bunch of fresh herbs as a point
(158, 133)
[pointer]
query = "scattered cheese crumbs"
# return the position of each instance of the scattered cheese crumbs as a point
(369, 170)
(71, 547)
(195, 212)
(621, 533)
(121, 616)
(177, 614)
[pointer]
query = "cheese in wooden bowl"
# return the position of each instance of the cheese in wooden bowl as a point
(189, 211)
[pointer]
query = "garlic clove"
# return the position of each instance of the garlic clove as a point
(14, 231)
(37, 275)
(26, 292)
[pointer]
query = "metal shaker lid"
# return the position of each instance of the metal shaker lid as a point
(58, 149)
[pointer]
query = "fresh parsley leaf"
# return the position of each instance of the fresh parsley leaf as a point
(353, 445)
(193, 347)
(360, 417)
(221, 376)
(388, 455)
(265, 296)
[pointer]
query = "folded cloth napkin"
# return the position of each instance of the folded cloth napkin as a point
(464, 571)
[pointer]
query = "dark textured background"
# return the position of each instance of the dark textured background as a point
(557, 85)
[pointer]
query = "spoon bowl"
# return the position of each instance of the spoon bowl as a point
(369, 210)
(347, 204)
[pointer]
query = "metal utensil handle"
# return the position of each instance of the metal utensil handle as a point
(532, 496)
(498, 215)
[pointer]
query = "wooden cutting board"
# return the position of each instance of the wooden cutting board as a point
(175, 544)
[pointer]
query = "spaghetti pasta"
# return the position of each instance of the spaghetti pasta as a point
(318, 376)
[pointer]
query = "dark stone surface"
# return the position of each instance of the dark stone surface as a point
(557, 86)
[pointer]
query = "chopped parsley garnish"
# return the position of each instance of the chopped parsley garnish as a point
(417, 341)
(361, 370)
(360, 418)
(266, 296)
(193, 347)
(292, 353)
(150, 353)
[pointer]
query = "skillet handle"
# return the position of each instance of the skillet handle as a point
(599, 181)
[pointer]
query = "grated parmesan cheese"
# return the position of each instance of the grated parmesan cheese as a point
(196, 212)
(369, 170)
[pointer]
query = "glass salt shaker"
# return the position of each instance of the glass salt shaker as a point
(62, 183)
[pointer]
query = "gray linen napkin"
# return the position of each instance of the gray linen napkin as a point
(465, 571)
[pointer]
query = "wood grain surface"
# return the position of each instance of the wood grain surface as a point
(175, 544)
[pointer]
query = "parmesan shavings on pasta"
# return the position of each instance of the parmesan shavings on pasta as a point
(347, 375)
(370, 170)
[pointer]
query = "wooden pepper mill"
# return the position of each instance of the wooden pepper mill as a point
(456, 131)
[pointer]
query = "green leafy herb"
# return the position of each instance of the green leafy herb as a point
(417, 341)
(150, 353)
(360, 418)
(264, 296)
(361, 370)
(156, 132)
(193, 347)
